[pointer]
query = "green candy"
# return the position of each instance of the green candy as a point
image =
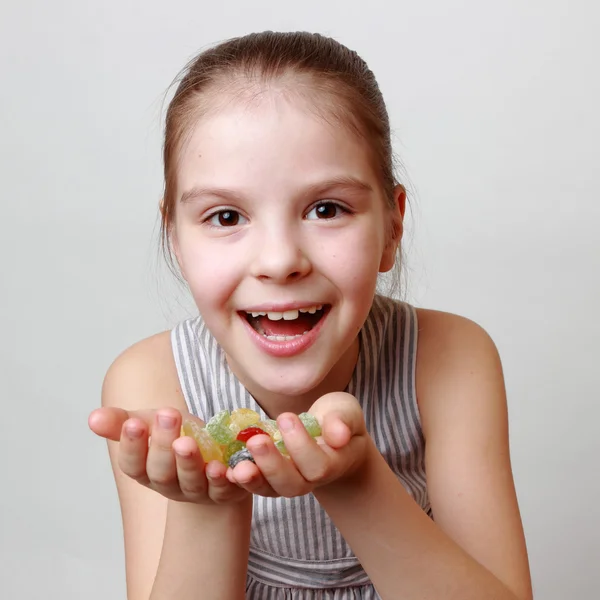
(221, 418)
(311, 424)
(222, 435)
(281, 447)
(218, 428)
(232, 448)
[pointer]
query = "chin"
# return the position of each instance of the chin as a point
(290, 384)
(290, 387)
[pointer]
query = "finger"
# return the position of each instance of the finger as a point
(248, 476)
(108, 421)
(335, 431)
(310, 459)
(161, 464)
(279, 472)
(220, 489)
(133, 450)
(341, 418)
(190, 469)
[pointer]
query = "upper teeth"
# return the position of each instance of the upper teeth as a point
(288, 315)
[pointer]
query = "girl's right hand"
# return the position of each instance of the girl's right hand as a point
(152, 452)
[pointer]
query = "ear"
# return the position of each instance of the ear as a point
(395, 231)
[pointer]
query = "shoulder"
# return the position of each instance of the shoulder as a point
(456, 358)
(449, 340)
(144, 376)
(440, 331)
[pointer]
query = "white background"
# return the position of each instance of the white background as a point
(495, 108)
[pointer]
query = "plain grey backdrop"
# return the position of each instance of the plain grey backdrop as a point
(495, 111)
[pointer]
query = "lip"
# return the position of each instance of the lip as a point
(274, 307)
(287, 348)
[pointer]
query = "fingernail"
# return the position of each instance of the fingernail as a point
(286, 424)
(183, 453)
(134, 432)
(166, 421)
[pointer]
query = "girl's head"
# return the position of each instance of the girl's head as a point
(280, 193)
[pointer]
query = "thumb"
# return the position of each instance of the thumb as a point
(340, 417)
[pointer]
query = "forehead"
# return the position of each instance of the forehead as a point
(271, 141)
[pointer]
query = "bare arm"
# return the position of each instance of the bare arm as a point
(476, 548)
(204, 553)
(172, 549)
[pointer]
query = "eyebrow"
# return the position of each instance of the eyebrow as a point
(347, 182)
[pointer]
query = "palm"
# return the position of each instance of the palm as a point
(152, 452)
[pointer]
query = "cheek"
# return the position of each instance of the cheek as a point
(360, 271)
(211, 273)
(353, 258)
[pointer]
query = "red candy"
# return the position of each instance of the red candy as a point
(246, 434)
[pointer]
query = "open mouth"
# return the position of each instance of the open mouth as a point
(288, 325)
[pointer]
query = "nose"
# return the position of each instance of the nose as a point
(279, 256)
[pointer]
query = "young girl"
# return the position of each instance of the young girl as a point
(281, 208)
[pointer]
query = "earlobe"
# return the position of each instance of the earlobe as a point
(388, 259)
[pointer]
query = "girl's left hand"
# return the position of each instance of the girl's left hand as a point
(339, 452)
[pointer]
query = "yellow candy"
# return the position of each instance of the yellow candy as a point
(270, 427)
(209, 449)
(242, 418)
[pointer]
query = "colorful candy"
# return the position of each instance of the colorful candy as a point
(311, 424)
(241, 418)
(207, 446)
(225, 435)
(246, 434)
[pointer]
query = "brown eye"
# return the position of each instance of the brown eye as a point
(225, 218)
(228, 218)
(325, 210)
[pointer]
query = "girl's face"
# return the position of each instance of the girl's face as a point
(279, 212)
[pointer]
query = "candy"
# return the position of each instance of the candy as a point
(225, 435)
(241, 418)
(311, 424)
(230, 450)
(207, 446)
(279, 444)
(221, 418)
(246, 434)
(270, 427)
(218, 427)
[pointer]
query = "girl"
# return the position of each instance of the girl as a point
(281, 209)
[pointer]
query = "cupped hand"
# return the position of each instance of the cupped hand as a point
(338, 453)
(151, 452)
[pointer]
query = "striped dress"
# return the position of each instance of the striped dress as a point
(296, 553)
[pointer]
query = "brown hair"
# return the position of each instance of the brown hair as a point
(316, 65)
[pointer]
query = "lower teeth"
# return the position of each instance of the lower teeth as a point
(283, 338)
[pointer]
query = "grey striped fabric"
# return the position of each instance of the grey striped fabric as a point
(296, 552)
